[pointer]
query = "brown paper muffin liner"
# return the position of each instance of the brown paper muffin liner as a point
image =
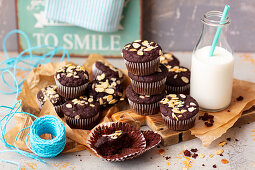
(177, 90)
(86, 124)
(58, 108)
(179, 125)
(143, 69)
(108, 128)
(153, 88)
(144, 109)
(70, 92)
(95, 71)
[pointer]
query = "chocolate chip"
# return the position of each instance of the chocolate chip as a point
(194, 150)
(187, 153)
(214, 166)
(240, 98)
(194, 155)
(203, 164)
(208, 124)
(167, 157)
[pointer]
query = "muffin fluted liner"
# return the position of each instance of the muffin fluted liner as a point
(177, 90)
(143, 69)
(57, 108)
(144, 109)
(70, 92)
(86, 123)
(108, 128)
(179, 125)
(152, 88)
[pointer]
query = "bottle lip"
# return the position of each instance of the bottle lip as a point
(207, 19)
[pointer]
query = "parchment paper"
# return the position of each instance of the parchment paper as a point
(43, 76)
(38, 78)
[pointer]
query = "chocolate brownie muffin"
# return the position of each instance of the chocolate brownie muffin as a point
(50, 93)
(107, 91)
(81, 113)
(143, 104)
(178, 80)
(142, 57)
(179, 111)
(71, 81)
(151, 84)
(109, 70)
(112, 144)
(169, 59)
(116, 141)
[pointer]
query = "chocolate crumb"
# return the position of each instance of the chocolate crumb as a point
(80, 160)
(203, 164)
(236, 140)
(194, 155)
(187, 153)
(228, 139)
(228, 110)
(167, 157)
(214, 166)
(240, 98)
(194, 150)
(151, 157)
(207, 117)
(221, 155)
(208, 124)
(158, 146)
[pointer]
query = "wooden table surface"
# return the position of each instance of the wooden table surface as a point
(240, 151)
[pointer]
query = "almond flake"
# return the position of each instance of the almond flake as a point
(132, 49)
(192, 104)
(160, 52)
(121, 99)
(145, 43)
(201, 155)
(90, 100)
(185, 79)
(77, 117)
(58, 76)
(175, 76)
(219, 152)
(101, 101)
(140, 53)
(183, 96)
(142, 97)
(99, 89)
(118, 81)
(191, 109)
(113, 101)
(109, 91)
(136, 45)
(109, 98)
(92, 105)
(69, 106)
(222, 143)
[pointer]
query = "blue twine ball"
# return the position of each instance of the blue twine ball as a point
(47, 125)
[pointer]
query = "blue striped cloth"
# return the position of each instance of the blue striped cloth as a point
(97, 15)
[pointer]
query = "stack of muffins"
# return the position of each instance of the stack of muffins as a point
(79, 100)
(153, 74)
(148, 76)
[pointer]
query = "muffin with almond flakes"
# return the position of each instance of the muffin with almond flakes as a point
(142, 57)
(71, 81)
(106, 90)
(179, 111)
(81, 113)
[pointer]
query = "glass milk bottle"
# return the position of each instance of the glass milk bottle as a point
(212, 76)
